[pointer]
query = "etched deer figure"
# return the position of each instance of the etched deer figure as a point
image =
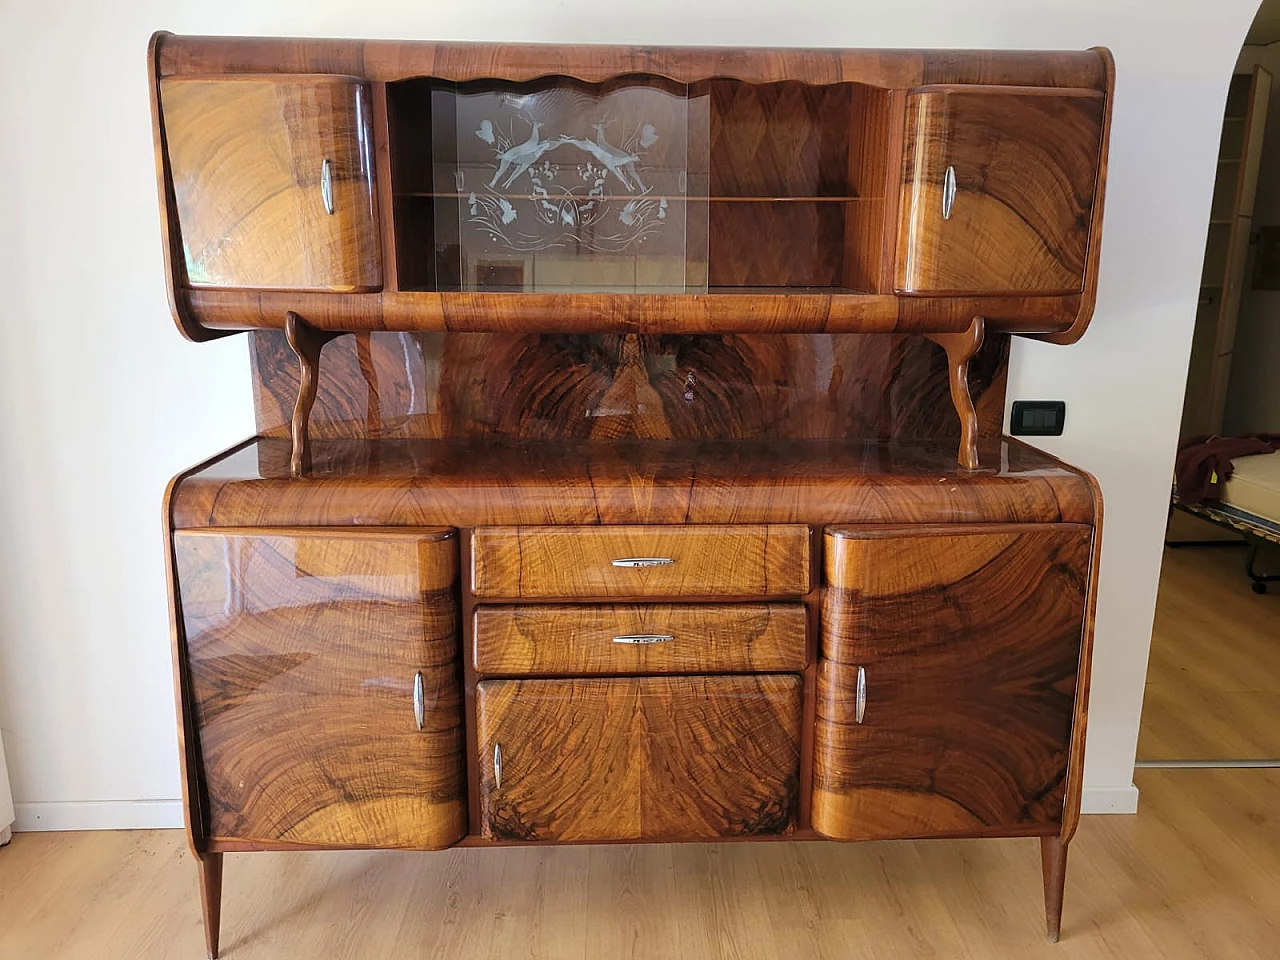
(521, 157)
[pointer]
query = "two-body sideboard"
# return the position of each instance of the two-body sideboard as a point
(629, 461)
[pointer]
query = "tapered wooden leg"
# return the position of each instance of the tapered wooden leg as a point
(307, 342)
(211, 899)
(960, 349)
(1053, 864)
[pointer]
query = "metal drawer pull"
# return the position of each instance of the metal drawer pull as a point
(860, 698)
(948, 192)
(419, 701)
(497, 765)
(643, 562)
(326, 186)
(644, 638)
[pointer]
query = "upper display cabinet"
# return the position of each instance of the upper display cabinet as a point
(379, 185)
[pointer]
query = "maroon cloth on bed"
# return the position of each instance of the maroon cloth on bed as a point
(1204, 463)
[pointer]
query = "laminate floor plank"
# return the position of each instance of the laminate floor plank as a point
(1196, 874)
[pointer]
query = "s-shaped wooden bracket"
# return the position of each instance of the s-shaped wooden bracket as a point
(307, 342)
(960, 349)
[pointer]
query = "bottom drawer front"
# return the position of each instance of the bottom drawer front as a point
(679, 758)
(639, 638)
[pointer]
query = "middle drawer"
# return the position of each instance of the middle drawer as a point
(650, 638)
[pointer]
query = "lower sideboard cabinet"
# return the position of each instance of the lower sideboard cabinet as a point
(652, 758)
(324, 687)
(947, 685)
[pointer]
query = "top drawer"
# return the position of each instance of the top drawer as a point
(749, 560)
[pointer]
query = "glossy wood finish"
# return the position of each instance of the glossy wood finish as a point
(570, 563)
(306, 343)
(833, 259)
(677, 758)
(970, 642)
(247, 155)
(1025, 162)
(555, 387)
(478, 483)
(303, 649)
(549, 640)
(211, 901)
(1053, 863)
(961, 348)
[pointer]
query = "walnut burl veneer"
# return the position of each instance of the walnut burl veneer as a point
(676, 758)
(628, 461)
(639, 638)
(304, 650)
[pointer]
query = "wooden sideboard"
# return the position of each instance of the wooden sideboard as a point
(628, 461)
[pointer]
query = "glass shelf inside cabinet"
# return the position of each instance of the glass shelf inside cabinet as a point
(634, 185)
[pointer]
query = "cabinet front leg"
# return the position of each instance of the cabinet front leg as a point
(960, 348)
(1053, 865)
(307, 342)
(211, 900)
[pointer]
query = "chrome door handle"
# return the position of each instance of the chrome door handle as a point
(860, 697)
(644, 638)
(643, 562)
(419, 701)
(948, 192)
(326, 186)
(497, 765)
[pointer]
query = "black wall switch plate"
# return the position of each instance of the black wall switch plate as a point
(1037, 418)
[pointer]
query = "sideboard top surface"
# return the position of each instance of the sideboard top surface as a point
(476, 482)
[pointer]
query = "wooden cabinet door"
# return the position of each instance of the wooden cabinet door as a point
(324, 685)
(664, 758)
(963, 652)
(997, 189)
(273, 180)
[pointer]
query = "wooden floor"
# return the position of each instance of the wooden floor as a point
(1195, 874)
(1213, 682)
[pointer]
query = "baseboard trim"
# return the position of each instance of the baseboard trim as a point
(167, 814)
(98, 815)
(1119, 799)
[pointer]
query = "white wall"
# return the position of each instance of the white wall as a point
(1253, 397)
(100, 400)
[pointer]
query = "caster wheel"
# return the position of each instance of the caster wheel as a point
(1259, 587)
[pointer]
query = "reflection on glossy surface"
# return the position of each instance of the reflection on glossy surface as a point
(303, 650)
(398, 385)
(273, 179)
(477, 482)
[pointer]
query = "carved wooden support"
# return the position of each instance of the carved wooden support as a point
(961, 348)
(307, 342)
(1053, 864)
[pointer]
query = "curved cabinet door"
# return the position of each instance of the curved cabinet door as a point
(661, 758)
(304, 651)
(963, 651)
(273, 180)
(997, 191)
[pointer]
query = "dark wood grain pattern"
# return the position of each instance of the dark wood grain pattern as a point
(306, 342)
(548, 640)
(303, 649)
(478, 483)
(1025, 164)
(677, 758)
(970, 644)
(541, 387)
(246, 156)
(961, 348)
(569, 563)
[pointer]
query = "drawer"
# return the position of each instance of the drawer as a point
(748, 560)
(654, 758)
(547, 640)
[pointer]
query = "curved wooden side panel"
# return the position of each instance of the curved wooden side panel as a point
(671, 758)
(547, 640)
(964, 650)
(304, 651)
